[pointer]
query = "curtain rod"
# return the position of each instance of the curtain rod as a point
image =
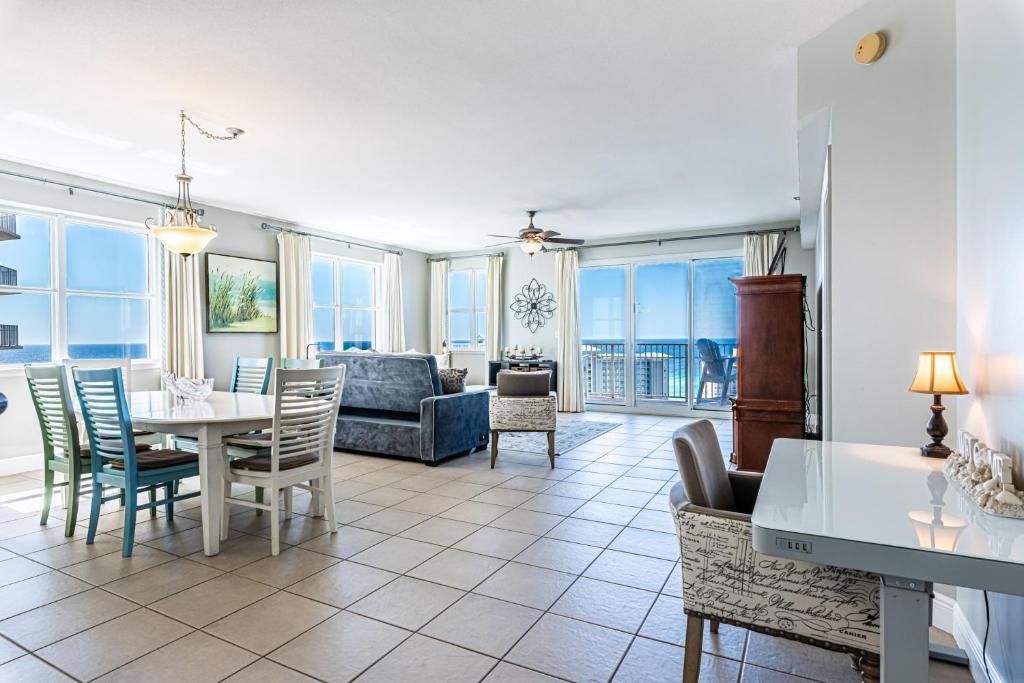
(431, 259)
(82, 188)
(274, 228)
(659, 241)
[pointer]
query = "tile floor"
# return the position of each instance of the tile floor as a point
(449, 573)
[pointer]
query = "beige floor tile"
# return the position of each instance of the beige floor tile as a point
(348, 511)
(605, 604)
(37, 591)
(407, 602)
(510, 673)
(148, 528)
(107, 568)
(390, 521)
(592, 478)
(18, 569)
(340, 648)
(420, 483)
(653, 520)
(77, 551)
(525, 585)
(29, 669)
(570, 490)
(9, 651)
(298, 529)
(570, 649)
(482, 624)
(650, 660)
(798, 659)
(89, 654)
(185, 542)
(503, 496)
(58, 620)
(427, 504)
(585, 531)
(271, 622)
(385, 496)
(291, 566)
(342, 584)
(487, 477)
(531, 484)
(236, 553)
(550, 553)
(757, 674)
(667, 622)
(457, 568)
(440, 531)
(215, 599)
(347, 542)
(163, 580)
(475, 512)
(460, 489)
(527, 522)
(555, 505)
(29, 525)
(266, 671)
(606, 512)
(649, 543)
(496, 542)
(638, 571)
(197, 657)
(637, 484)
(397, 554)
(425, 659)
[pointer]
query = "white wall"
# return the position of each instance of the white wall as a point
(990, 332)
(239, 234)
(893, 247)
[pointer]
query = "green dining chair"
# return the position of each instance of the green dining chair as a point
(301, 363)
(116, 462)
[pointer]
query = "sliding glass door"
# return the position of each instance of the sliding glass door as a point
(660, 332)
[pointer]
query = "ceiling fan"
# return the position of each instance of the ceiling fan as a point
(532, 239)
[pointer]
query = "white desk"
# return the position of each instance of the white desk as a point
(887, 510)
(221, 414)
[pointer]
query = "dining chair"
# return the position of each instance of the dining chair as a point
(299, 452)
(62, 451)
(251, 375)
(125, 364)
(116, 462)
(301, 363)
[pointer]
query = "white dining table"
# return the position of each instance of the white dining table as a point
(222, 414)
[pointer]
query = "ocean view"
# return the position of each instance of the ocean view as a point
(41, 353)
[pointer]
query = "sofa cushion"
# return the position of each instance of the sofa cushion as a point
(453, 380)
(386, 382)
(515, 383)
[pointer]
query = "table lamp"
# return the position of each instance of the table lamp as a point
(937, 375)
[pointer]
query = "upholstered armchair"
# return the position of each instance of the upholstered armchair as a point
(726, 580)
(523, 402)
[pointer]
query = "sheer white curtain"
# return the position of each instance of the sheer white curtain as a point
(392, 338)
(493, 335)
(571, 386)
(439, 306)
(758, 252)
(295, 291)
(183, 343)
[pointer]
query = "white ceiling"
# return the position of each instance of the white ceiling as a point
(425, 124)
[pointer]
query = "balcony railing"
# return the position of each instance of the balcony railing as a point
(661, 372)
(8, 277)
(9, 337)
(8, 226)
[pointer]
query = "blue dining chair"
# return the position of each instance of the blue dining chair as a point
(116, 462)
(251, 375)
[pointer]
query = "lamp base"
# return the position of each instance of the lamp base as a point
(935, 451)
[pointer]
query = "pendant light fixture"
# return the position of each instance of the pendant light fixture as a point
(181, 231)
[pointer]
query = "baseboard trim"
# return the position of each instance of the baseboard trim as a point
(942, 612)
(20, 464)
(970, 642)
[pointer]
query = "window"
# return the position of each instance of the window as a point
(467, 308)
(345, 295)
(77, 290)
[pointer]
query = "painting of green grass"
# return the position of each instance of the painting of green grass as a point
(241, 294)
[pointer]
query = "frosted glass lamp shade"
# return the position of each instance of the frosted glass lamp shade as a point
(937, 374)
(183, 239)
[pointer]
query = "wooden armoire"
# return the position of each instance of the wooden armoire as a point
(770, 399)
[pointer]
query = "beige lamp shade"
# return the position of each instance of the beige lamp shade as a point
(937, 374)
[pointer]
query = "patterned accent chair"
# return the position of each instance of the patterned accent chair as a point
(523, 402)
(726, 580)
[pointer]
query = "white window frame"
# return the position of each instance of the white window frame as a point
(477, 305)
(339, 309)
(58, 289)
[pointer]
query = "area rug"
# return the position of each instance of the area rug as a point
(568, 435)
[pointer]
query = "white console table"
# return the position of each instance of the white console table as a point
(887, 510)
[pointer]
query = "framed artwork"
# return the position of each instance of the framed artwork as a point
(241, 294)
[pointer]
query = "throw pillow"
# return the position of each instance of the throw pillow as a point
(453, 380)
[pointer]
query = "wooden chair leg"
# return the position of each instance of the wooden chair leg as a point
(288, 502)
(327, 481)
(870, 668)
(551, 448)
(259, 499)
(74, 490)
(714, 625)
(692, 651)
(152, 499)
(225, 515)
(47, 496)
(494, 448)
(275, 523)
(131, 503)
(317, 508)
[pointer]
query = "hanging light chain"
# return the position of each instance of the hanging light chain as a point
(233, 133)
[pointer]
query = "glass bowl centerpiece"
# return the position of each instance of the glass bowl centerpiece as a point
(185, 389)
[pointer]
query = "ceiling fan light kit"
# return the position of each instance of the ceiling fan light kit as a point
(532, 239)
(181, 231)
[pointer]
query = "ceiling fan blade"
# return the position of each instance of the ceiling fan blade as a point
(509, 237)
(501, 244)
(564, 240)
(548, 234)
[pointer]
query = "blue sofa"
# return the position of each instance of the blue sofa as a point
(393, 404)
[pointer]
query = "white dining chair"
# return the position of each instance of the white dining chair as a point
(301, 448)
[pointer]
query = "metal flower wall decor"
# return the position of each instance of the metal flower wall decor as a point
(533, 305)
